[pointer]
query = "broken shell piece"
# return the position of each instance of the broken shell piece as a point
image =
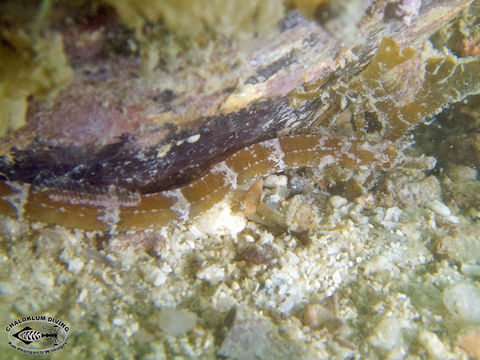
(176, 322)
(257, 255)
(470, 342)
(439, 208)
(252, 198)
(271, 218)
(261, 213)
(278, 185)
(299, 215)
(420, 163)
(337, 201)
(317, 316)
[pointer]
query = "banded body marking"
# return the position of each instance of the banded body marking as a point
(114, 212)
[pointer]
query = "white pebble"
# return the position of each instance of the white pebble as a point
(44, 279)
(118, 321)
(272, 181)
(393, 214)
(176, 322)
(220, 220)
(433, 345)
(337, 277)
(463, 301)
(439, 208)
(82, 296)
(75, 266)
(6, 288)
(194, 138)
(287, 305)
(337, 201)
(387, 334)
(378, 264)
(156, 277)
(213, 274)
(472, 270)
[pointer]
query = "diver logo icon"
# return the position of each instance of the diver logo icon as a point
(37, 334)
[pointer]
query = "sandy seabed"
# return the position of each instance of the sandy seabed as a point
(386, 270)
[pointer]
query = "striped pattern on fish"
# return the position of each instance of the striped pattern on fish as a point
(114, 212)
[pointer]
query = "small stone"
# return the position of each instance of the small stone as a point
(118, 321)
(379, 264)
(439, 208)
(194, 138)
(278, 185)
(269, 217)
(387, 334)
(252, 198)
(263, 254)
(461, 173)
(272, 181)
(156, 277)
(75, 266)
(299, 215)
(6, 288)
(317, 316)
(433, 345)
(157, 352)
(257, 339)
(470, 342)
(393, 214)
(337, 201)
(44, 277)
(82, 296)
(463, 301)
(176, 322)
(472, 270)
(220, 220)
(212, 274)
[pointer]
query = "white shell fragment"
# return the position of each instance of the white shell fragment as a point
(176, 322)
(463, 301)
(338, 201)
(439, 208)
